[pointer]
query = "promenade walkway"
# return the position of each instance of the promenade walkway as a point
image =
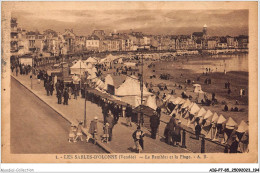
(122, 141)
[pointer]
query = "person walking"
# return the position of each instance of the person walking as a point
(105, 136)
(79, 132)
(169, 130)
(128, 114)
(59, 96)
(177, 133)
(93, 130)
(51, 87)
(47, 87)
(105, 110)
(66, 96)
(138, 136)
(197, 130)
(110, 121)
(72, 133)
(154, 124)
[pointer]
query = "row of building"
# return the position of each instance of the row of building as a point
(54, 43)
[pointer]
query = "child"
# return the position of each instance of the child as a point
(106, 134)
(138, 136)
(72, 133)
(79, 132)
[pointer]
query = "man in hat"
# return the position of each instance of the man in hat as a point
(93, 130)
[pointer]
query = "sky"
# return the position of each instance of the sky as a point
(152, 21)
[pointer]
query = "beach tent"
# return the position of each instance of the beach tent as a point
(168, 97)
(151, 102)
(243, 127)
(108, 81)
(91, 73)
(172, 99)
(215, 118)
(201, 113)
(207, 118)
(231, 124)
(187, 113)
(100, 84)
(109, 58)
(178, 100)
(91, 60)
(194, 109)
(78, 68)
(186, 104)
(221, 119)
(197, 88)
(131, 87)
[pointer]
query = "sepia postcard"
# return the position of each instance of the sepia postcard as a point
(129, 82)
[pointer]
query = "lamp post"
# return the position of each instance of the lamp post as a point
(85, 110)
(141, 88)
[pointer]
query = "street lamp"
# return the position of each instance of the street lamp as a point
(85, 110)
(141, 88)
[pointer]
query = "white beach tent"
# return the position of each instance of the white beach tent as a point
(151, 102)
(201, 113)
(188, 110)
(91, 73)
(231, 124)
(168, 97)
(100, 84)
(78, 68)
(243, 127)
(108, 81)
(178, 101)
(208, 117)
(131, 87)
(91, 60)
(221, 119)
(109, 58)
(197, 88)
(186, 104)
(194, 109)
